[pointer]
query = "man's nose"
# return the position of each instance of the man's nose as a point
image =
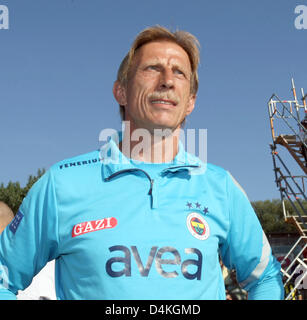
(167, 79)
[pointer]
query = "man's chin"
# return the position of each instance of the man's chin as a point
(163, 128)
(156, 126)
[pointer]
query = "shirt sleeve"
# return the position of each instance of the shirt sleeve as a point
(30, 240)
(247, 249)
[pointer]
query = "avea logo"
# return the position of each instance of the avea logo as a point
(115, 269)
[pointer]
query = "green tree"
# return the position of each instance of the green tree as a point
(13, 193)
(271, 217)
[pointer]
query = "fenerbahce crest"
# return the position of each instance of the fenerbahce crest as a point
(198, 226)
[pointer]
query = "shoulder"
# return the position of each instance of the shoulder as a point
(212, 171)
(89, 158)
(71, 177)
(73, 171)
(216, 170)
(206, 169)
(76, 166)
(231, 182)
(218, 176)
(69, 170)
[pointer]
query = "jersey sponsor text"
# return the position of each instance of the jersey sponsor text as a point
(95, 225)
(155, 255)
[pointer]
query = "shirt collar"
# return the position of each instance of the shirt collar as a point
(114, 160)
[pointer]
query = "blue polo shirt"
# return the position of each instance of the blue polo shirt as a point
(132, 230)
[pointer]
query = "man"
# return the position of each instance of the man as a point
(142, 223)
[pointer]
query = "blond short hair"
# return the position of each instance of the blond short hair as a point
(184, 39)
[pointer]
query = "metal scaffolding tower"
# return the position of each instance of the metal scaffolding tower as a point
(289, 133)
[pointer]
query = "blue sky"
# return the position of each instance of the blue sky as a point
(59, 58)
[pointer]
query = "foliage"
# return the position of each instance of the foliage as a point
(271, 217)
(13, 193)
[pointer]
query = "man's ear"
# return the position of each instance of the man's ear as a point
(119, 93)
(191, 104)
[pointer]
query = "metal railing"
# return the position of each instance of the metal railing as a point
(290, 112)
(297, 266)
(288, 186)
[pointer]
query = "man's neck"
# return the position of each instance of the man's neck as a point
(159, 146)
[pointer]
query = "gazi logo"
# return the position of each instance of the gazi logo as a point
(121, 265)
(4, 17)
(301, 20)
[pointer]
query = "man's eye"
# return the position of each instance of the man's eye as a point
(152, 68)
(177, 71)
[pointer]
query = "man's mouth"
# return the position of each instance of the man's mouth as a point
(164, 102)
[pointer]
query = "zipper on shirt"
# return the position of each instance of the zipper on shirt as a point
(150, 192)
(133, 170)
(151, 186)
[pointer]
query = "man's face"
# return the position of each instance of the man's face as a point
(158, 89)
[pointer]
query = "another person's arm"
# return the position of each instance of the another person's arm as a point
(30, 240)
